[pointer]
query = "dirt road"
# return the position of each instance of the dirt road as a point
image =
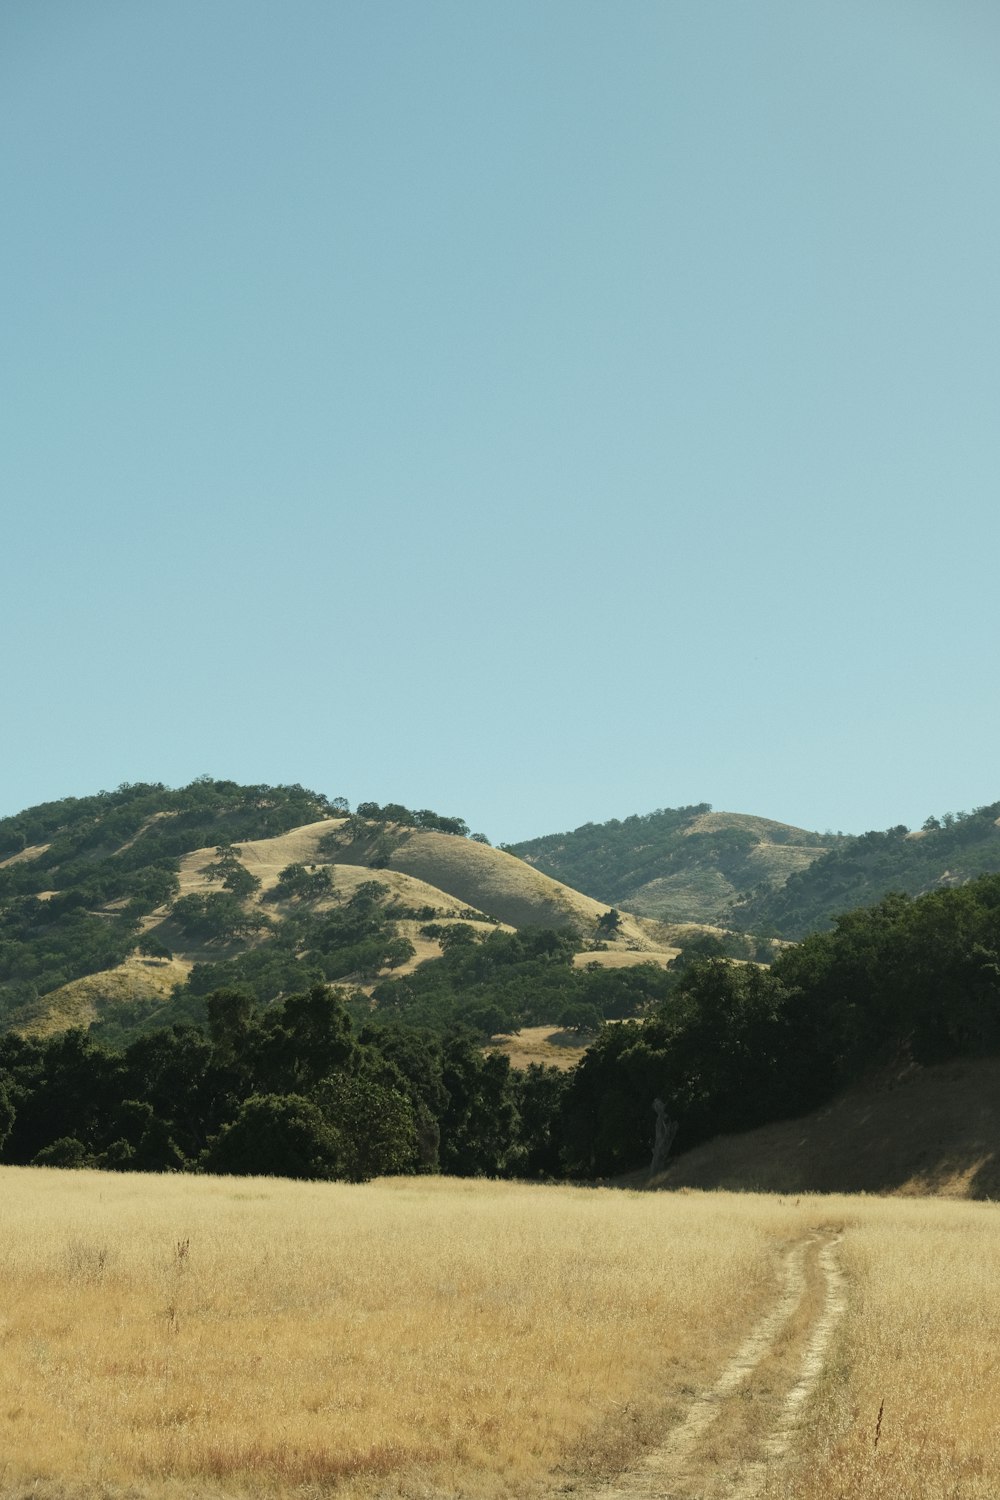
(735, 1434)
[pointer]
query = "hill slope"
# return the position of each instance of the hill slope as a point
(732, 870)
(860, 871)
(685, 864)
(119, 898)
(927, 1130)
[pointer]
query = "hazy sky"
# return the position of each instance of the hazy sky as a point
(539, 411)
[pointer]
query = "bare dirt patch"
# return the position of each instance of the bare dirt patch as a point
(32, 852)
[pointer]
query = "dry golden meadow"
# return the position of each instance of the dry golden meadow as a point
(168, 1336)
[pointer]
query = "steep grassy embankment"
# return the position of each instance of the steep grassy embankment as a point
(914, 1131)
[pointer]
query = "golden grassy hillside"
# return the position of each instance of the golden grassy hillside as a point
(454, 877)
(432, 1338)
(24, 855)
(925, 1130)
(434, 869)
(450, 878)
(266, 858)
(82, 1001)
(499, 884)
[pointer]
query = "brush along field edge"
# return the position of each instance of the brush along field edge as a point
(423, 1337)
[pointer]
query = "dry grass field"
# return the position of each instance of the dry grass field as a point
(920, 1342)
(430, 1337)
(552, 1046)
(418, 1337)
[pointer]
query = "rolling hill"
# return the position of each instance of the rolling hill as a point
(685, 864)
(758, 876)
(122, 899)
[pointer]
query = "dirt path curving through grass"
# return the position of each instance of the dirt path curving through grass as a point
(735, 1433)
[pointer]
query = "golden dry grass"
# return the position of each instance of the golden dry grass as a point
(417, 1337)
(427, 869)
(921, 1335)
(624, 958)
(31, 852)
(450, 871)
(447, 876)
(82, 1001)
(427, 1337)
(551, 1046)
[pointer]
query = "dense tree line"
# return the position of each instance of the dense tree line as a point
(293, 1090)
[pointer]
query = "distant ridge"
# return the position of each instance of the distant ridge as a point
(683, 864)
(946, 851)
(758, 876)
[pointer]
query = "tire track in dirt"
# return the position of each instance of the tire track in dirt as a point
(749, 1483)
(677, 1470)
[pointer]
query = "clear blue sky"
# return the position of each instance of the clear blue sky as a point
(538, 411)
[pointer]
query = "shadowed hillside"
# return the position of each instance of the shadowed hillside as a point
(925, 1130)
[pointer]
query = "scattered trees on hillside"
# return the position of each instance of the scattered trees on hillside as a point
(234, 875)
(296, 882)
(217, 916)
(266, 1063)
